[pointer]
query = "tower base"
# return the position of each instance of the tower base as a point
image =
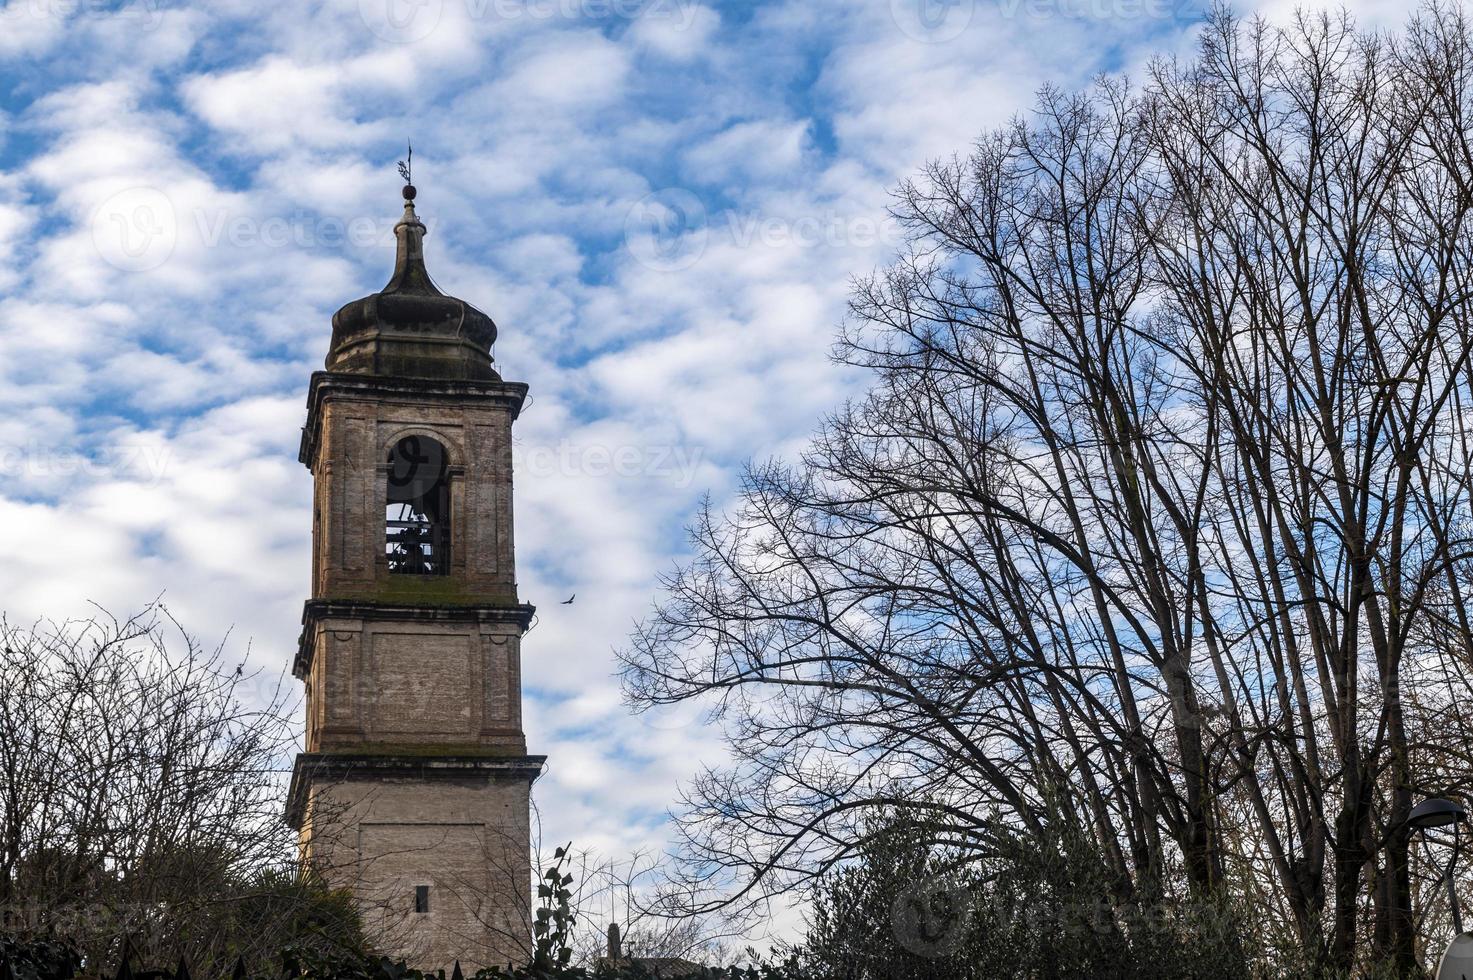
(436, 850)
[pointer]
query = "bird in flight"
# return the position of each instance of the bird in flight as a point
(569, 600)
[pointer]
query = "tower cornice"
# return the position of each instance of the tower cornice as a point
(317, 611)
(327, 385)
(341, 766)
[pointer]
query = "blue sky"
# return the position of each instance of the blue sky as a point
(660, 202)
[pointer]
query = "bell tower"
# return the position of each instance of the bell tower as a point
(414, 789)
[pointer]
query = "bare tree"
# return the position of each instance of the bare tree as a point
(633, 894)
(630, 892)
(1156, 518)
(141, 795)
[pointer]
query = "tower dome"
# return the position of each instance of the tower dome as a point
(410, 329)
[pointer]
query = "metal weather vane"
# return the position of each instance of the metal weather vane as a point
(406, 168)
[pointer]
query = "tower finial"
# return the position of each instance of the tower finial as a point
(406, 170)
(409, 263)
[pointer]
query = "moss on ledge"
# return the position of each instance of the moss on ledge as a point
(429, 590)
(420, 750)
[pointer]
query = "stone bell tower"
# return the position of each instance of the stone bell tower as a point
(414, 789)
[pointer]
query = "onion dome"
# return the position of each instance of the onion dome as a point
(409, 329)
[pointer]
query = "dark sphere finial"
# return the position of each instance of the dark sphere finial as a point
(409, 192)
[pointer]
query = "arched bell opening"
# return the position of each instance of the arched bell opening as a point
(417, 514)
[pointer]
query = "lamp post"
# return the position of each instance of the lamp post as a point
(1438, 814)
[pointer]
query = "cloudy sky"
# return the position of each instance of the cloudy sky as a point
(660, 202)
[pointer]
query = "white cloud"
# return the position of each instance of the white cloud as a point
(277, 104)
(758, 150)
(574, 72)
(28, 28)
(679, 30)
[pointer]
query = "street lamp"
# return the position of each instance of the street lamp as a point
(1436, 814)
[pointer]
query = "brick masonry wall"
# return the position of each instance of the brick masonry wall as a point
(414, 667)
(468, 841)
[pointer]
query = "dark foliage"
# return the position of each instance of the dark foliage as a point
(1037, 907)
(57, 960)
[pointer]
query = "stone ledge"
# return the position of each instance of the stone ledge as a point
(316, 610)
(342, 766)
(454, 589)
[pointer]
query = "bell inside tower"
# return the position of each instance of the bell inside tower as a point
(417, 514)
